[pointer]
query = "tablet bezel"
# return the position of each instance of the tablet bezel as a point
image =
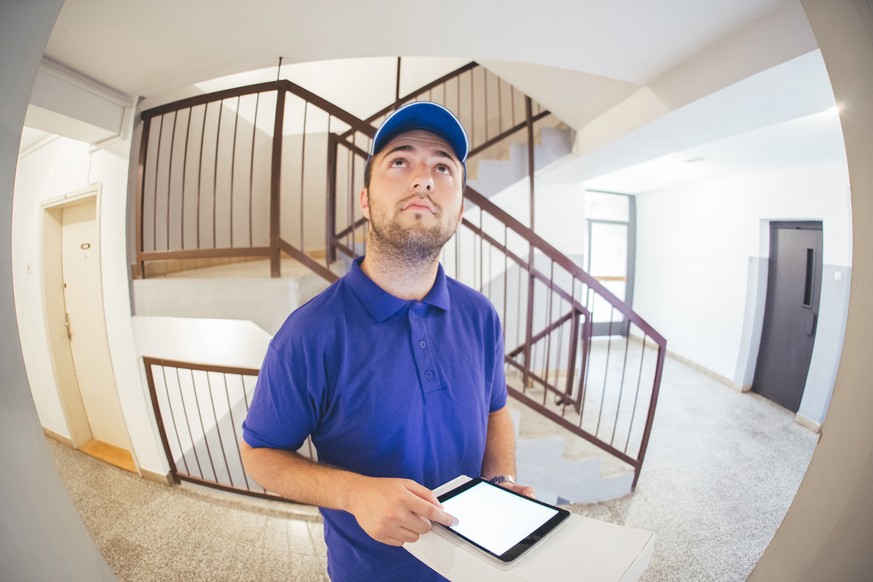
(522, 546)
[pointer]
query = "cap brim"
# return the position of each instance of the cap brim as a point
(426, 116)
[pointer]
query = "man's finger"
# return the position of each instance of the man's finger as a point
(418, 524)
(436, 514)
(428, 506)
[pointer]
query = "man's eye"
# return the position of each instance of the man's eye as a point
(442, 169)
(397, 162)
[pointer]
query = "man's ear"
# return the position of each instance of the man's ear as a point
(365, 203)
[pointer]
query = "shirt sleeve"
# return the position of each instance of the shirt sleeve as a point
(284, 406)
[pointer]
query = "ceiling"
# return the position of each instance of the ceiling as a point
(586, 60)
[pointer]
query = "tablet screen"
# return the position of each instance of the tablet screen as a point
(501, 522)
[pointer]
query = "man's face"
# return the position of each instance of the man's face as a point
(415, 198)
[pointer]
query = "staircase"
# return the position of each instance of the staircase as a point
(584, 405)
(563, 469)
(496, 175)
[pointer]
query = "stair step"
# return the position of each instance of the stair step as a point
(563, 468)
(234, 291)
(540, 451)
(493, 176)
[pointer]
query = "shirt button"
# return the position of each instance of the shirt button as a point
(422, 344)
(428, 375)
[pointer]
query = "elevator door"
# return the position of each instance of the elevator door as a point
(791, 312)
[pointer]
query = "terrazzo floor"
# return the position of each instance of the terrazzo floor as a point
(721, 470)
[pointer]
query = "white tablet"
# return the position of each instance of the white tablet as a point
(499, 522)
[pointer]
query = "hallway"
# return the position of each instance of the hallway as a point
(721, 470)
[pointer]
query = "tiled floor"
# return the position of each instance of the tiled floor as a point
(721, 470)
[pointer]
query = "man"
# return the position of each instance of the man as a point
(396, 371)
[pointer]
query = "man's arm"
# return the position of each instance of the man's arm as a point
(500, 450)
(391, 511)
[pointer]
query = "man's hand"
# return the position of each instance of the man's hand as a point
(396, 511)
(525, 490)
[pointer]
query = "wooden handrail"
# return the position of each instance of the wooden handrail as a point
(560, 259)
(550, 310)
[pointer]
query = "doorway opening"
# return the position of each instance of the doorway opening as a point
(72, 287)
(610, 242)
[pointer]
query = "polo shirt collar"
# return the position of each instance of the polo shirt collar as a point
(381, 305)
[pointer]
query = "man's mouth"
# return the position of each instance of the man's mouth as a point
(418, 205)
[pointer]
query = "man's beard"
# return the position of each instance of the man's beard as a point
(413, 244)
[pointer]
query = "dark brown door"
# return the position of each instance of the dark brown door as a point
(791, 312)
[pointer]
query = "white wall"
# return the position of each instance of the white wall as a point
(33, 185)
(559, 212)
(49, 173)
(695, 244)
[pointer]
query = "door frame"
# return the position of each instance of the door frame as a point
(772, 225)
(54, 303)
(604, 328)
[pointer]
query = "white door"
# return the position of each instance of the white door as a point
(86, 324)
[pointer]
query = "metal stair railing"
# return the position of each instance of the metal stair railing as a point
(239, 174)
(229, 176)
(604, 390)
(199, 409)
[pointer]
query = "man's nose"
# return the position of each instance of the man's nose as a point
(423, 183)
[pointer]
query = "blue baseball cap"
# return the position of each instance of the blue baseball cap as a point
(426, 116)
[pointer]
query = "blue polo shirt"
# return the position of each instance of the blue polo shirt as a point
(387, 388)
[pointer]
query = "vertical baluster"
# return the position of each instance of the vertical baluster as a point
(620, 390)
(458, 96)
(548, 319)
(605, 372)
(170, 177)
(233, 168)
(173, 420)
(530, 159)
(215, 175)
(512, 100)
(188, 424)
(481, 254)
(587, 351)
(518, 335)
(505, 278)
(142, 172)
(276, 182)
(234, 424)
(185, 178)
(202, 427)
(350, 204)
(485, 99)
(218, 431)
(559, 359)
(157, 176)
(499, 105)
(200, 170)
(458, 255)
(636, 392)
(252, 171)
(473, 127)
(302, 174)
